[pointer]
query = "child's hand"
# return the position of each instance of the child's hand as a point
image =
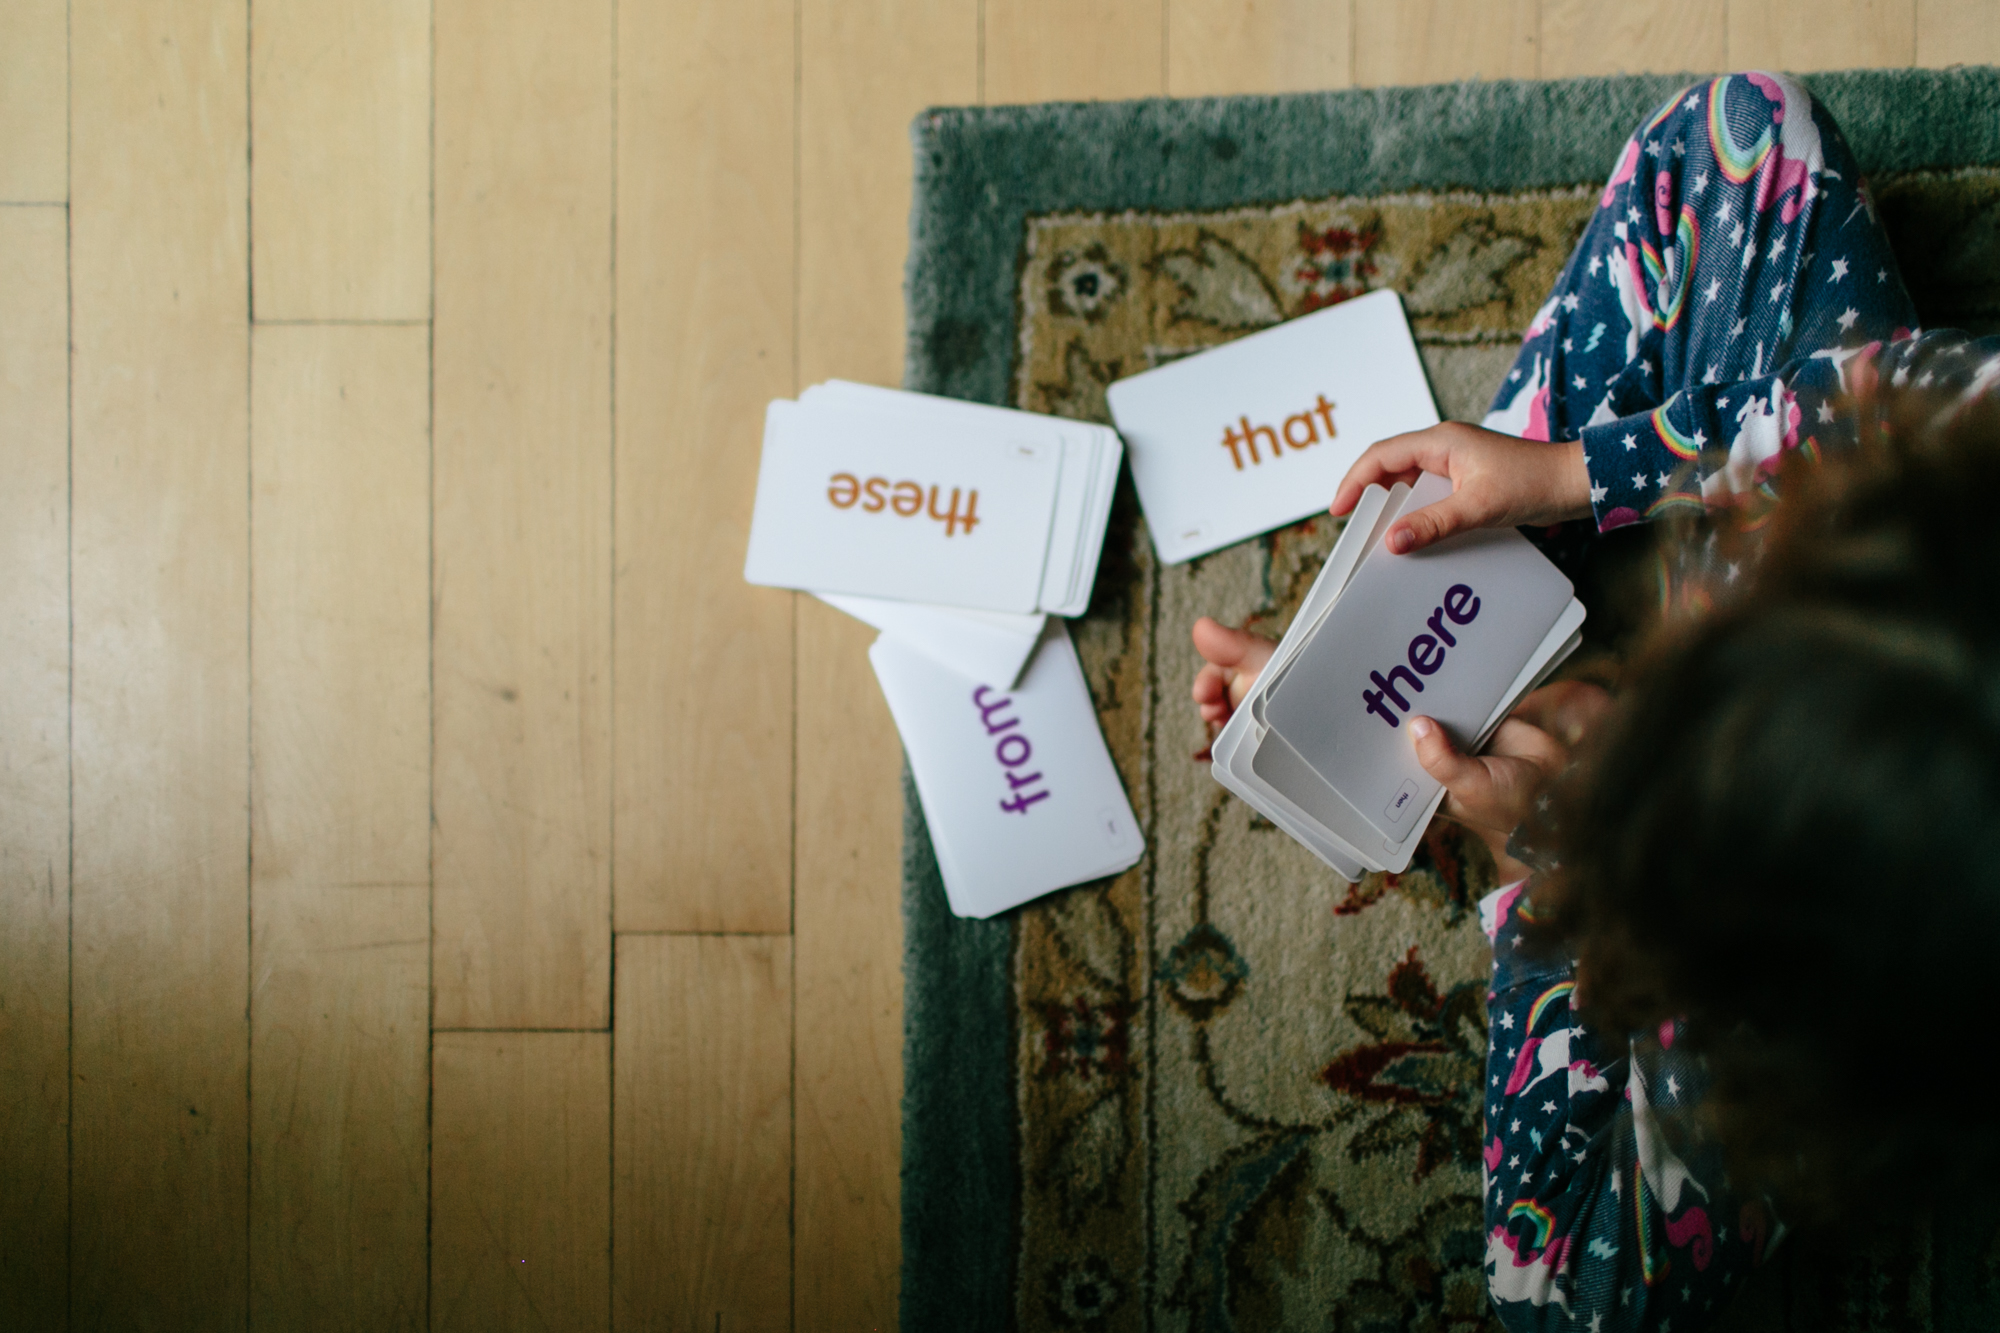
(1491, 793)
(1233, 659)
(1497, 481)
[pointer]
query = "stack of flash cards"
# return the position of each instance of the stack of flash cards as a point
(961, 531)
(1458, 632)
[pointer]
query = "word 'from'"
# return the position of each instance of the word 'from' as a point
(1013, 751)
(904, 498)
(1244, 436)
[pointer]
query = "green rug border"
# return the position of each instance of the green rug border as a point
(981, 172)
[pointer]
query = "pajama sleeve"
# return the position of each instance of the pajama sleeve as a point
(1593, 1219)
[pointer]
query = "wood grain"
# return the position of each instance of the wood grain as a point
(703, 1114)
(340, 826)
(340, 105)
(1957, 32)
(706, 326)
(1074, 50)
(521, 1182)
(522, 580)
(1580, 37)
(34, 101)
(849, 1083)
(1431, 41)
(34, 765)
(1799, 35)
(854, 183)
(1217, 47)
(161, 691)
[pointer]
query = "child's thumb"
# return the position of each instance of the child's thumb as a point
(1456, 772)
(1433, 523)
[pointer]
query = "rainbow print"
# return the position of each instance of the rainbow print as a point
(1687, 237)
(1653, 1265)
(1547, 998)
(1679, 445)
(1544, 1220)
(1678, 502)
(1738, 164)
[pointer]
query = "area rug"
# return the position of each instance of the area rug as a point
(1225, 1090)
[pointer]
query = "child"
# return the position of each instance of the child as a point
(1776, 770)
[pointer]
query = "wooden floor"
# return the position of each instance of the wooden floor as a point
(434, 889)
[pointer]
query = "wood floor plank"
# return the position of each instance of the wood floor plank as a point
(1430, 41)
(521, 1182)
(340, 826)
(849, 1078)
(1798, 35)
(1580, 37)
(1258, 46)
(522, 583)
(34, 101)
(854, 182)
(34, 765)
(706, 266)
(340, 105)
(161, 690)
(1957, 32)
(1082, 50)
(703, 1113)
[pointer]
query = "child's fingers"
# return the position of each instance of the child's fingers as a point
(1229, 648)
(1457, 512)
(1398, 458)
(1460, 774)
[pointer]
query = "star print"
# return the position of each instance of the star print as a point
(1901, 377)
(1673, 1087)
(1618, 1187)
(1548, 1106)
(1527, 1177)
(1542, 802)
(1631, 443)
(1825, 413)
(1514, 1128)
(1632, 214)
(1749, 249)
(1736, 328)
(1579, 1155)
(1592, 267)
(1722, 402)
(1924, 380)
(1597, 1322)
(1514, 374)
(1714, 290)
(1597, 494)
(1664, 479)
(1569, 301)
(1777, 292)
(1506, 1020)
(1777, 247)
(1568, 346)
(1699, 439)
(1496, 1080)
(1686, 1293)
(1847, 318)
(1839, 270)
(1694, 100)
(1515, 1160)
(1711, 375)
(1579, 381)
(1680, 148)
(1722, 215)
(1653, 147)
(1639, 480)
(1646, 367)
(1700, 181)
(1881, 275)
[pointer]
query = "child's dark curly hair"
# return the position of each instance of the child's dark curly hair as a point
(1788, 831)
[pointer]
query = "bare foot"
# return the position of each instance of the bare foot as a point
(1232, 657)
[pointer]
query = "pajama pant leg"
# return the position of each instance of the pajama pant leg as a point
(1733, 264)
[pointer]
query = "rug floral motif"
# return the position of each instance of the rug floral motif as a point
(1248, 1093)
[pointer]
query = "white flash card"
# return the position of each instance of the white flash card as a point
(1258, 433)
(852, 502)
(1018, 789)
(979, 645)
(1443, 631)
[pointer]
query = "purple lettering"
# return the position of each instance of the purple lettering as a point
(987, 710)
(1016, 781)
(1012, 751)
(1378, 708)
(1436, 622)
(1018, 805)
(1000, 751)
(1460, 604)
(1425, 655)
(1388, 686)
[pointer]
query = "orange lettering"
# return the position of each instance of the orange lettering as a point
(843, 489)
(1312, 431)
(912, 493)
(873, 489)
